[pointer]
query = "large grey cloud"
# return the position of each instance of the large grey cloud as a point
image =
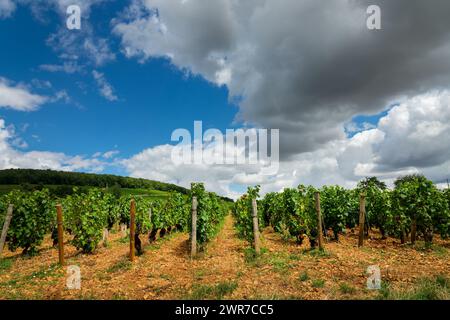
(413, 137)
(303, 66)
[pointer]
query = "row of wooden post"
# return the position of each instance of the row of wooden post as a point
(59, 220)
(132, 255)
(362, 215)
(256, 235)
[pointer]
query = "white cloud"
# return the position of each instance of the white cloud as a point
(413, 137)
(195, 35)
(18, 97)
(319, 167)
(69, 67)
(7, 7)
(15, 139)
(85, 5)
(61, 95)
(10, 157)
(106, 90)
(98, 50)
(414, 132)
(417, 133)
(110, 154)
(156, 163)
(76, 50)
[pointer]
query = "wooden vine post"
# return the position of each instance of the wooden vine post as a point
(123, 230)
(132, 228)
(413, 230)
(319, 220)
(6, 227)
(59, 219)
(105, 237)
(362, 216)
(194, 228)
(256, 227)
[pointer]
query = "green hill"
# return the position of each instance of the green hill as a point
(61, 182)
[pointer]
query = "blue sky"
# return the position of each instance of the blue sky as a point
(348, 101)
(154, 97)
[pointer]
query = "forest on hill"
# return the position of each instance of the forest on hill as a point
(61, 183)
(32, 179)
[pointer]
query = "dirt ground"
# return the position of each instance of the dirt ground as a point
(226, 270)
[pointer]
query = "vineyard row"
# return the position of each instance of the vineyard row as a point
(414, 209)
(87, 216)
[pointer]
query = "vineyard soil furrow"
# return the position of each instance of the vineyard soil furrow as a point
(227, 269)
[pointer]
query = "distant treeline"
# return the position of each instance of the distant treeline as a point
(32, 179)
(51, 177)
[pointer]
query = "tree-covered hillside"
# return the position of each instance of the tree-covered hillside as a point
(61, 178)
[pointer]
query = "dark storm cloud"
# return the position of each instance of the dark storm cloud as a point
(326, 66)
(306, 66)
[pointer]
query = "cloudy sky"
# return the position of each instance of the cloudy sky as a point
(349, 102)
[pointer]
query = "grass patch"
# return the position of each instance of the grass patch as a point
(87, 296)
(104, 277)
(295, 257)
(316, 253)
(200, 274)
(124, 239)
(19, 282)
(280, 263)
(344, 288)
(276, 297)
(20, 295)
(44, 272)
(5, 264)
(225, 288)
(254, 260)
(156, 245)
(121, 265)
(156, 194)
(118, 296)
(438, 250)
(303, 276)
(318, 283)
(14, 283)
(165, 277)
(215, 292)
(435, 288)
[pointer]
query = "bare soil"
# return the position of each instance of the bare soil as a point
(227, 269)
